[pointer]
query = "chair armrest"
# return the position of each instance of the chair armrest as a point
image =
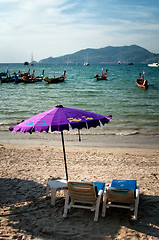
(137, 193)
(100, 192)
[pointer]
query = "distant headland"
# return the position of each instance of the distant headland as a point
(109, 54)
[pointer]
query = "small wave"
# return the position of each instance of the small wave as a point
(99, 133)
(127, 133)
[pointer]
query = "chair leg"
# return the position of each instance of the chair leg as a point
(104, 204)
(136, 204)
(98, 205)
(66, 205)
(53, 196)
(135, 212)
(47, 190)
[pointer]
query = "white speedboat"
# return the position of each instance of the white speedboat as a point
(153, 65)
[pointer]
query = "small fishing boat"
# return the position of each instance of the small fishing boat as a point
(5, 74)
(102, 76)
(141, 82)
(32, 79)
(20, 77)
(56, 80)
(20, 74)
(7, 79)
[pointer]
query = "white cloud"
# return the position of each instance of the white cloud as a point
(54, 28)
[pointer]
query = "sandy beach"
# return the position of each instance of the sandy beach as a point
(29, 161)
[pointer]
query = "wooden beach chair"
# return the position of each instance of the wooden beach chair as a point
(122, 194)
(85, 195)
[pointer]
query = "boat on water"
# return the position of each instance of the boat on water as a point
(153, 64)
(141, 82)
(7, 79)
(10, 78)
(102, 76)
(20, 74)
(5, 74)
(32, 79)
(22, 77)
(55, 79)
(19, 77)
(26, 63)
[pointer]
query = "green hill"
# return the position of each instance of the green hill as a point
(125, 54)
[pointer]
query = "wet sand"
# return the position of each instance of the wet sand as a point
(90, 140)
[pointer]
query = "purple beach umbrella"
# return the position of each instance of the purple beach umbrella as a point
(59, 119)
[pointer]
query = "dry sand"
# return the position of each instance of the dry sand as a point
(27, 164)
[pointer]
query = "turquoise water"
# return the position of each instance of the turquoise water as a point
(134, 110)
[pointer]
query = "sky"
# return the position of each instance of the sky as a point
(52, 28)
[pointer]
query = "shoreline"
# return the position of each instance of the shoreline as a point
(92, 141)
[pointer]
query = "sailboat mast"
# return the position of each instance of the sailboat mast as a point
(32, 60)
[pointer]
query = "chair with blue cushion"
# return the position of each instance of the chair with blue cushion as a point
(85, 195)
(122, 194)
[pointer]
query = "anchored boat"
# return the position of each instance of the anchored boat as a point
(56, 80)
(141, 82)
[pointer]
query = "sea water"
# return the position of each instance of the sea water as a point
(134, 110)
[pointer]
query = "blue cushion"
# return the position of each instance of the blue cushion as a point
(99, 186)
(124, 184)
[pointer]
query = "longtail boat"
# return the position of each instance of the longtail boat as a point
(141, 82)
(56, 80)
(102, 76)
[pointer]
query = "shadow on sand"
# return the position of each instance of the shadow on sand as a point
(27, 214)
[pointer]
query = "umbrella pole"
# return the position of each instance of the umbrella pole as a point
(79, 135)
(63, 145)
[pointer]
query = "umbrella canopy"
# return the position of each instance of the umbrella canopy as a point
(61, 118)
